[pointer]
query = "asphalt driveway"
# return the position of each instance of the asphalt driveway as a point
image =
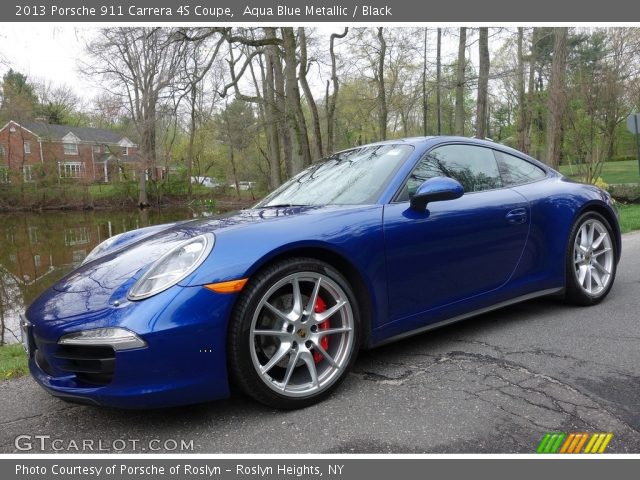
(495, 383)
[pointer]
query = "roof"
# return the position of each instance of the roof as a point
(85, 134)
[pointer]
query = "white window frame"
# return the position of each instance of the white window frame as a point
(3, 151)
(27, 147)
(125, 151)
(76, 236)
(71, 169)
(4, 174)
(97, 149)
(27, 177)
(71, 151)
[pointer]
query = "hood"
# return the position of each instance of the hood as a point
(92, 289)
(123, 260)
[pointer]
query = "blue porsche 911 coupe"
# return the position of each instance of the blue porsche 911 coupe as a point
(367, 246)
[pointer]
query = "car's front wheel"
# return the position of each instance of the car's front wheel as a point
(294, 333)
(591, 260)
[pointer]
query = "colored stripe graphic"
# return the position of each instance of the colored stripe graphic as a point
(592, 441)
(567, 442)
(558, 442)
(581, 442)
(543, 443)
(556, 445)
(605, 443)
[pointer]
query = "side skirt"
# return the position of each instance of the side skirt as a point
(464, 316)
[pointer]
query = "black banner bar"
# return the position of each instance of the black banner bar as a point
(341, 11)
(326, 468)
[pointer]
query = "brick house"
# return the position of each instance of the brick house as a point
(86, 154)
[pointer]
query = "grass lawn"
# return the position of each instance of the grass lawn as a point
(13, 361)
(612, 172)
(629, 217)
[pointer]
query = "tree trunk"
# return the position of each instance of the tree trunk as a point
(297, 123)
(459, 113)
(317, 134)
(280, 105)
(439, 80)
(382, 95)
(234, 171)
(331, 101)
(528, 114)
(192, 137)
(425, 99)
(557, 96)
(522, 107)
(483, 83)
(271, 122)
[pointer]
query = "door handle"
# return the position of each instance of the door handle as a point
(517, 216)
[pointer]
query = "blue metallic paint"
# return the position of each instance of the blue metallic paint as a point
(418, 269)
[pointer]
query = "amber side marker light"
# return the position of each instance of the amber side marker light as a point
(232, 286)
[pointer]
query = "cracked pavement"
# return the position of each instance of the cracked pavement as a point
(494, 383)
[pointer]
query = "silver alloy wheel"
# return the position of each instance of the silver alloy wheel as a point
(593, 257)
(286, 332)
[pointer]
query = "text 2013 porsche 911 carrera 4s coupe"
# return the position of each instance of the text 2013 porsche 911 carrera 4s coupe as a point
(367, 246)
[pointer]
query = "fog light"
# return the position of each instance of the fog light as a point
(118, 338)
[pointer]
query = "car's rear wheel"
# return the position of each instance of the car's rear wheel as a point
(294, 333)
(591, 260)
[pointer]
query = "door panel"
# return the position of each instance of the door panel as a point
(455, 250)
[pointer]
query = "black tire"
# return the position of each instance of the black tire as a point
(575, 293)
(246, 347)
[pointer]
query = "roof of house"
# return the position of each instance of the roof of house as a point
(85, 134)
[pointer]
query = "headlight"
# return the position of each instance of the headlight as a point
(172, 267)
(100, 249)
(118, 338)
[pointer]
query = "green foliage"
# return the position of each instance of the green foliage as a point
(618, 172)
(13, 362)
(629, 217)
(19, 100)
(625, 193)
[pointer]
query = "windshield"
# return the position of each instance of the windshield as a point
(353, 177)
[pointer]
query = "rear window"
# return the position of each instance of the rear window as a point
(516, 171)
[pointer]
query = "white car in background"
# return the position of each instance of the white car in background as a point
(205, 181)
(244, 185)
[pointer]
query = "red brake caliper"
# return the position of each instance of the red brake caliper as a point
(324, 341)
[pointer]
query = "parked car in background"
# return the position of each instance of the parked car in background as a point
(205, 182)
(367, 246)
(244, 185)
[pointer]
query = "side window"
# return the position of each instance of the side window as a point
(516, 171)
(474, 167)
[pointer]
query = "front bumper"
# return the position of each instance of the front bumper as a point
(184, 360)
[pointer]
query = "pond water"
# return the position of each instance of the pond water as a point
(38, 249)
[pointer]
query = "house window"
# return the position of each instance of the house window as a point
(27, 147)
(33, 235)
(2, 150)
(70, 169)
(78, 256)
(125, 151)
(96, 149)
(27, 173)
(76, 236)
(70, 148)
(37, 261)
(4, 175)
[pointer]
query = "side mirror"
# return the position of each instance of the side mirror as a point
(435, 190)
